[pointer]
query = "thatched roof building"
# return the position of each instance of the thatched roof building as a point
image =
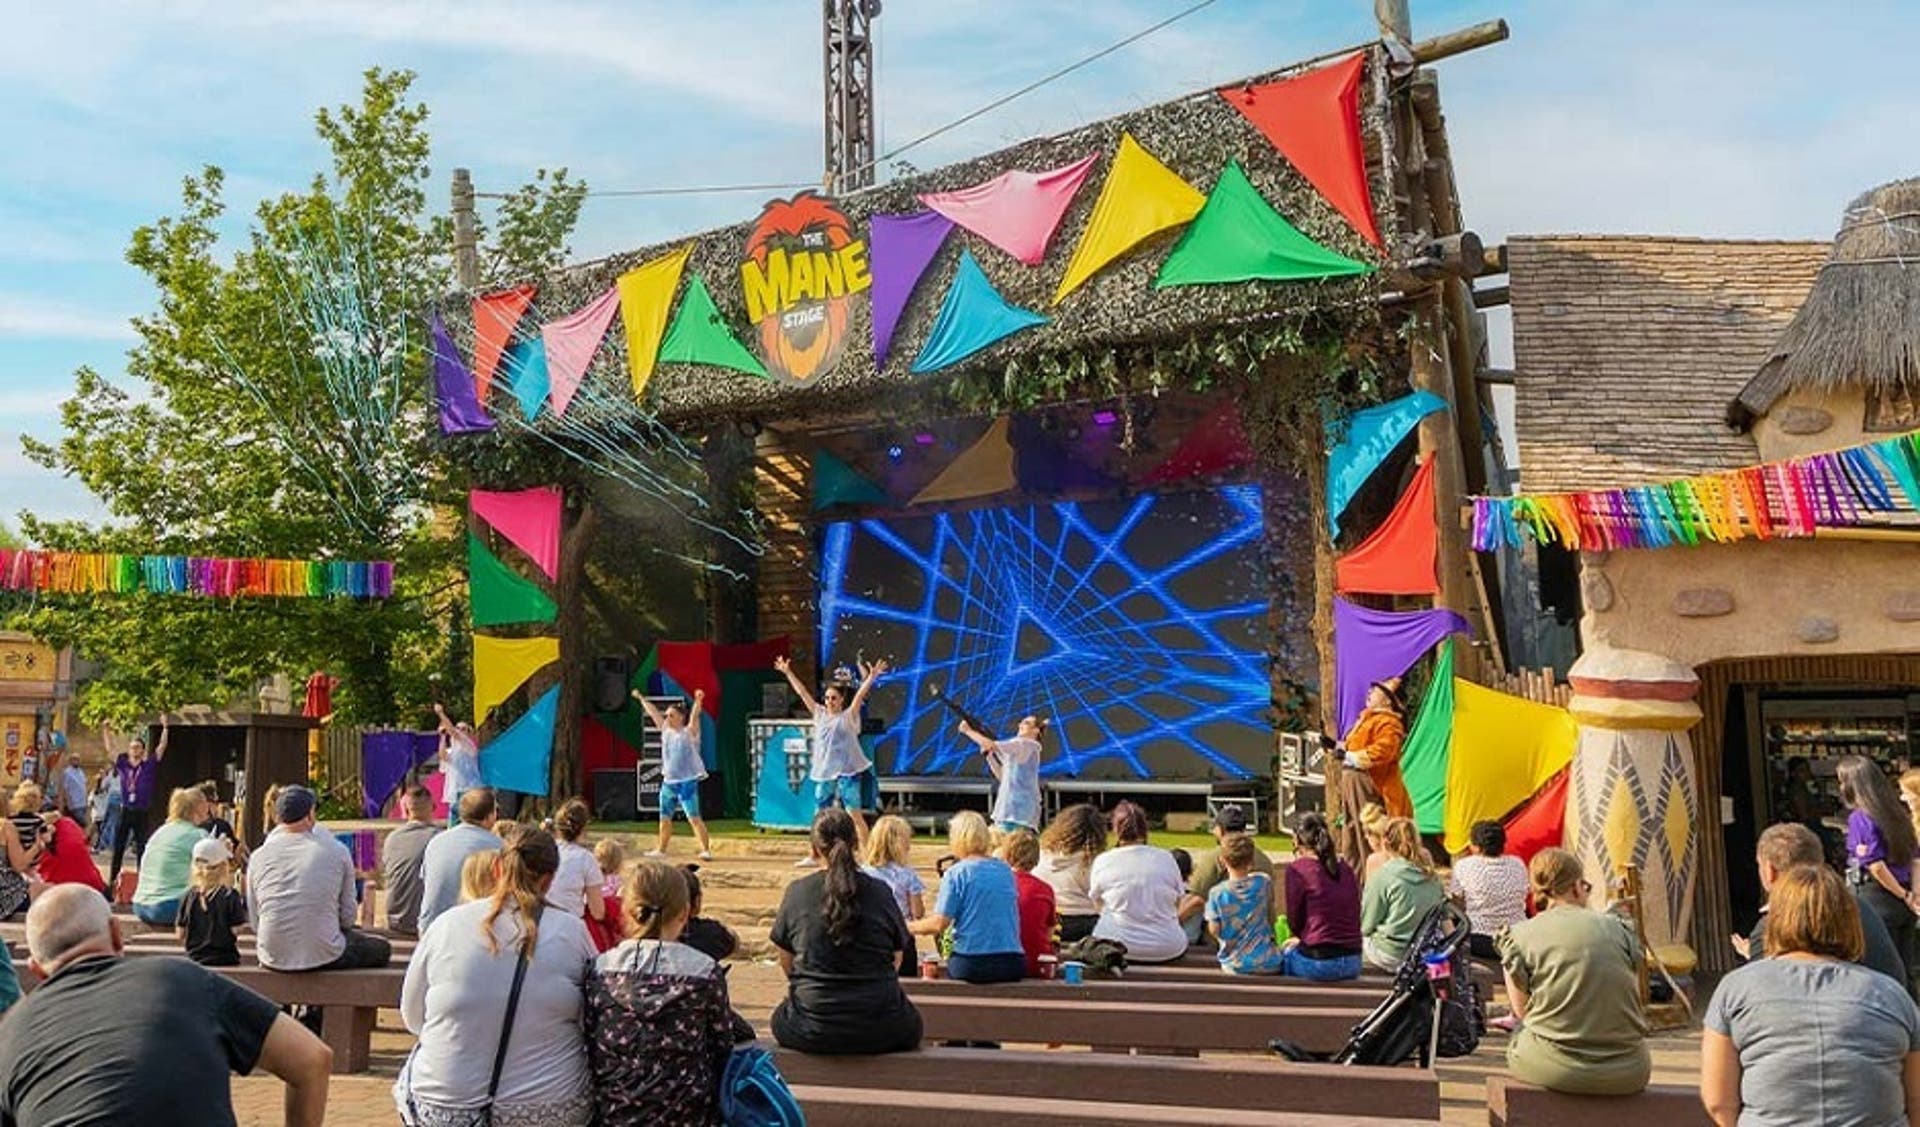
(1860, 324)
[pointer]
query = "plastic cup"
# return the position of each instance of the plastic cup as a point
(1073, 973)
(1049, 966)
(930, 966)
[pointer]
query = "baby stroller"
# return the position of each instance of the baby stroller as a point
(1402, 1027)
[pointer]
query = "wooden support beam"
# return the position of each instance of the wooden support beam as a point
(1501, 376)
(1459, 42)
(1494, 260)
(1492, 296)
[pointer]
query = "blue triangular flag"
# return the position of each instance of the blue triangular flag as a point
(837, 483)
(1371, 436)
(973, 316)
(527, 375)
(517, 759)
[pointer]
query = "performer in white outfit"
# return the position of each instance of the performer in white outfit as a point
(838, 761)
(681, 769)
(1016, 766)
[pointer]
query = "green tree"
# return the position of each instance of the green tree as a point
(9, 539)
(287, 415)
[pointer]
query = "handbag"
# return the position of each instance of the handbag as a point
(481, 1116)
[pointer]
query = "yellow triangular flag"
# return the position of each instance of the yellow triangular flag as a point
(1141, 197)
(646, 297)
(1505, 748)
(502, 665)
(985, 467)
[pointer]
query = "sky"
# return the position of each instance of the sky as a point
(1733, 118)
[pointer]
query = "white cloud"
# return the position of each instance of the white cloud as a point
(29, 317)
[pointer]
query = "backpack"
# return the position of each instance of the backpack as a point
(754, 1094)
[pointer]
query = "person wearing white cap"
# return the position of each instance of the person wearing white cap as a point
(211, 910)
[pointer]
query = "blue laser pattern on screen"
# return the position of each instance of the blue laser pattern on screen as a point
(1137, 626)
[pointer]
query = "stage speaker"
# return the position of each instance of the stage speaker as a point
(615, 796)
(611, 677)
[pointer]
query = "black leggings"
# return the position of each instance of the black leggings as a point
(132, 831)
(1893, 912)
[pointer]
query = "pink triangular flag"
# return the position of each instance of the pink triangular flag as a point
(1016, 211)
(571, 342)
(528, 518)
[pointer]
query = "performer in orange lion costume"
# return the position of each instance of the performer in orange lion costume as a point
(1375, 743)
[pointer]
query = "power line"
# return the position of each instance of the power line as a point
(722, 189)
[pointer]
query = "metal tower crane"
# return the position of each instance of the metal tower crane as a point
(848, 40)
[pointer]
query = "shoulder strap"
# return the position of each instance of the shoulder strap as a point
(513, 1004)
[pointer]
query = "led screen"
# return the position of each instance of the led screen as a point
(1138, 625)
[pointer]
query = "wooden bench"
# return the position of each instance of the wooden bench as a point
(1122, 1026)
(1514, 1103)
(349, 1000)
(862, 1107)
(1223, 1085)
(1223, 992)
(1376, 984)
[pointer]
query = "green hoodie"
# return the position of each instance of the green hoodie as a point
(1393, 903)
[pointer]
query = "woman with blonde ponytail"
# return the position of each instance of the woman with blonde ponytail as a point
(500, 971)
(659, 1026)
(843, 945)
(1573, 975)
(1397, 896)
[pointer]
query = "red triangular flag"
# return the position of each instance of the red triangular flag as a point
(1540, 822)
(1398, 559)
(494, 318)
(1314, 120)
(1213, 445)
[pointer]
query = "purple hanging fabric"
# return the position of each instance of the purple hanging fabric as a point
(385, 760)
(460, 410)
(1371, 645)
(900, 249)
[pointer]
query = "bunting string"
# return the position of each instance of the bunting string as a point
(85, 573)
(1874, 483)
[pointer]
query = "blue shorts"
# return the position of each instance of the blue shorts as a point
(1010, 827)
(843, 791)
(683, 796)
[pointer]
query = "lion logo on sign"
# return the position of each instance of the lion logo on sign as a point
(803, 267)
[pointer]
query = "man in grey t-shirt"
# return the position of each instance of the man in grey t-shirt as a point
(401, 858)
(300, 896)
(448, 852)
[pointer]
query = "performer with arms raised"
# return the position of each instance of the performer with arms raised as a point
(838, 761)
(681, 768)
(1016, 765)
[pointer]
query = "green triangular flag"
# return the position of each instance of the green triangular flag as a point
(699, 335)
(837, 483)
(1238, 237)
(501, 598)
(1423, 762)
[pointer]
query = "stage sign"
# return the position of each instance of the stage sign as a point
(1139, 625)
(804, 265)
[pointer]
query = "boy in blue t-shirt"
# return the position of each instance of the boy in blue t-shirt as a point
(1240, 912)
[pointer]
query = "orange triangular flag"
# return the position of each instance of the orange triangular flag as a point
(1314, 120)
(494, 318)
(1398, 559)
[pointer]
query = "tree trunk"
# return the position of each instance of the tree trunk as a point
(576, 664)
(732, 598)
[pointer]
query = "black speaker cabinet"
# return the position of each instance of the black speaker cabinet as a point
(615, 796)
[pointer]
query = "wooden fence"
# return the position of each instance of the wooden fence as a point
(1535, 685)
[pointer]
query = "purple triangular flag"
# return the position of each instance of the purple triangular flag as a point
(460, 410)
(902, 246)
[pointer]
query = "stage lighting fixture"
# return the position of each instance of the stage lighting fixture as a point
(1104, 418)
(924, 439)
(896, 452)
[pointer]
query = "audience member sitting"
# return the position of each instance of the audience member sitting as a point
(1323, 907)
(1492, 884)
(1790, 844)
(65, 857)
(711, 938)
(211, 909)
(1397, 896)
(455, 1000)
(1072, 840)
(980, 901)
(658, 1022)
(106, 1039)
(1210, 871)
(166, 865)
(889, 859)
(576, 887)
(1573, 976)
(479, 876)
(1240, 912)
(1373, 827)
(1806, 1034)
(1020, 849)
(403, 859)
(611, 928)
(447, 853)
(300, 895)
(843, 946)
(1138, 888)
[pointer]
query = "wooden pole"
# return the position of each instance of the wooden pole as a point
(1395, 20)
(1458, 42)
(466, 241)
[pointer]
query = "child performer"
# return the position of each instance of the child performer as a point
(681, 769)
(1016, 764)
(838, 761)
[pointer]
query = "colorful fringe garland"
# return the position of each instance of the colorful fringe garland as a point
(75, 573)
(1848, 488)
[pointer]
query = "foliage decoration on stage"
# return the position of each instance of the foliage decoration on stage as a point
(494, 317)
(89, 573)
(1314, 120)
(1138, 625)
(1238, 237)
(972, 317)
(1860, 486)
(1017, 211)
(1400, 556)
(1365, 439)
